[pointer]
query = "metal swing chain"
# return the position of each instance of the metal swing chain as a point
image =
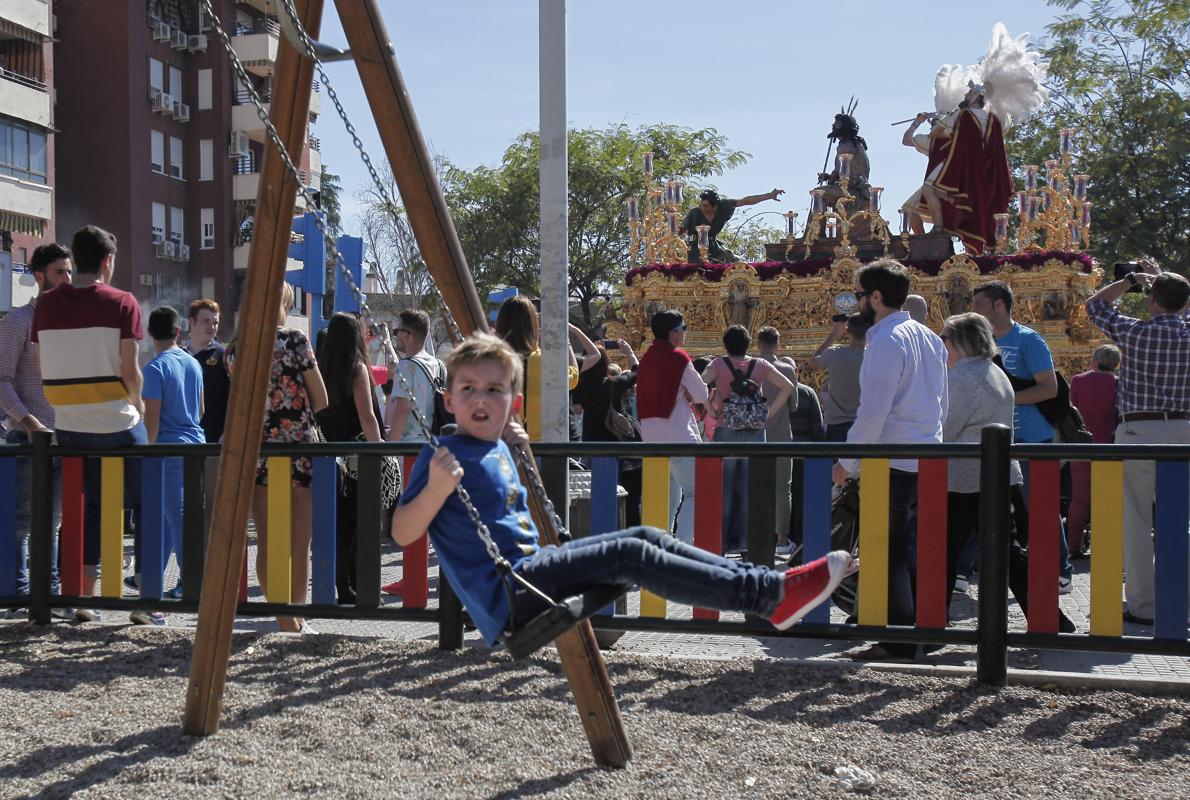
(390, 206)
(464, 497)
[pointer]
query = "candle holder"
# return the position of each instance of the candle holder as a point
(841, 219)
(1001, 233)
(1054, 214)
(906, 229)
(704, 240)
(790, 231)
(654, 225)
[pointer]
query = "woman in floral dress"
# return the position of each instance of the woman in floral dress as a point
(296, 392)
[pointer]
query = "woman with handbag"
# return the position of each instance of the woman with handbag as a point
(296, 392)
(606, 419)
(351, 415)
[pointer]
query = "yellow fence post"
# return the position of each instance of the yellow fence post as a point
(1107, 556)
(655, 513)
(111, 526)
(873, 541)
(279, 552)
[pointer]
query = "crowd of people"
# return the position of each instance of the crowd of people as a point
(70, 363)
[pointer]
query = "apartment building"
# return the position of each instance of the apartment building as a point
(158, 141)
(26, 131)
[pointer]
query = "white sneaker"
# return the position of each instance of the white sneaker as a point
(788, 549)
(1065, 585)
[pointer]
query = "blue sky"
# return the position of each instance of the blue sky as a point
(768, 75)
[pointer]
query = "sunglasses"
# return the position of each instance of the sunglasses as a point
(860, 294)
(681, 327)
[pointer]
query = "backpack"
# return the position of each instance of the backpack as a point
(1057, 411)
(745, 408)
(441, 418)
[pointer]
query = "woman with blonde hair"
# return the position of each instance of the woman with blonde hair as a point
(296, 392)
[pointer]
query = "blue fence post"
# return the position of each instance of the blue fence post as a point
(326, 494)
(605, 504)
(816, 522)
(152, 529)
(1171, 546)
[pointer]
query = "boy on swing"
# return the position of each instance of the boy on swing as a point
(484, 376)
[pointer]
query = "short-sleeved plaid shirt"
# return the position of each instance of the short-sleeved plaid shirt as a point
(1155, 368)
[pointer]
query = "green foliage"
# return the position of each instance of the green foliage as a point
(330, 188)
(1119, 74)
(496, 209)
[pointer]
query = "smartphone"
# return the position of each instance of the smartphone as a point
(1123, 269)
(611, 344)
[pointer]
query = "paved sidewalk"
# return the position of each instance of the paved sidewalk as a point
(1148, 668)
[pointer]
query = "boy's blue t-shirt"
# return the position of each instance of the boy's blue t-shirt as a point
(175, 378)
(1025, 353)
(490, 477)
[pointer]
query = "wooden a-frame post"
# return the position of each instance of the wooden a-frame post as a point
(375, 57)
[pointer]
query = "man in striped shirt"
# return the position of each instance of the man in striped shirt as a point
(87, 334)
(1153, 401)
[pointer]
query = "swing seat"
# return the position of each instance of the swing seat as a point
(558, 619)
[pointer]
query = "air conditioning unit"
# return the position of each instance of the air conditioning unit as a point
(179, 40)
(181, 112)
(166, 249)
(183, 252)
(146, 280)
(197, 43)
(163, 103)
(237, 146)
(158, 237)
(161, 32)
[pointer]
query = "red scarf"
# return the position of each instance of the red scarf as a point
(659, 379)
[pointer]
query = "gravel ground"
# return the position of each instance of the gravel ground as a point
(94, 711)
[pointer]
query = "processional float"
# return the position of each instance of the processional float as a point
(375, 58)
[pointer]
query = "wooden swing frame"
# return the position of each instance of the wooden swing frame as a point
(429, 217)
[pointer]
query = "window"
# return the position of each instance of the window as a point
(176, 224)
(22, 151)
(159, 222)
(204, 90)
(156, 76)
(157, 151)
(175, 157)
(206, 160)
(206, 217)
(175, 84)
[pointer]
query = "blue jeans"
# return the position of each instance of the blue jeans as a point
(735, 490)
(24, 489)
(653, 560)
(91, 485)
(1065, 569)
(171, 506)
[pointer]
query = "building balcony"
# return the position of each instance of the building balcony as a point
(239, 258)
(243, 115)
(256, 46)
(24, 98)
(32, 15)
(25, 207)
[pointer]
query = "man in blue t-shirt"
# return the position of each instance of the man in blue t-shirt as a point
(1024, 354)
(173, 394)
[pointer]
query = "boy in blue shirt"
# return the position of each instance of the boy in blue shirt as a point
(173, 395)
(483, 394)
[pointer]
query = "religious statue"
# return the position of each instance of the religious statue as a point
(714, 211)
(958, 295)
(740, 308)
(845, 134)
(968, 179)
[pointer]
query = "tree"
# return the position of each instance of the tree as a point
(329, 190)
(496, 209)
(390, 249)
(1119, 73)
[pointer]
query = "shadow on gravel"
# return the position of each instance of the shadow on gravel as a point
(118, 757)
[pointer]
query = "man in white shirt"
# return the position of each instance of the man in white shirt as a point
(417, 367)
(903, 400)
(666, 385)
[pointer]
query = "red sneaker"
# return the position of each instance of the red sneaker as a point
(808, 585)
(394, 588)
